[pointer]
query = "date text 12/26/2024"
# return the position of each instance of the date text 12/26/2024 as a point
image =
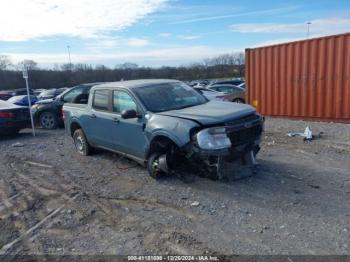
(173, 258)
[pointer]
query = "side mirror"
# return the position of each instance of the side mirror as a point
(127, 114)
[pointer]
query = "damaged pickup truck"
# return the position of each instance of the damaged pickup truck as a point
(164, 124)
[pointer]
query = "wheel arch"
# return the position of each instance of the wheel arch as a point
(160, 143)
(73, 126)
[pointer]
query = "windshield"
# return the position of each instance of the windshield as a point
(168, 96)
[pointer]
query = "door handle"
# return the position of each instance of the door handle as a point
(93, 115)
(116, 120)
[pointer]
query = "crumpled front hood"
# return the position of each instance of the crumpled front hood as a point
(213, 112)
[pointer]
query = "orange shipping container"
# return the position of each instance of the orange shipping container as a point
(307, 79)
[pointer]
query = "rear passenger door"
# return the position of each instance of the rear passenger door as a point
(128, 133)
(99, 123)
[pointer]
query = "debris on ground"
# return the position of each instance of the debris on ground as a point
(38, 164)
(18, 144)
(307, 135)
(195, 204)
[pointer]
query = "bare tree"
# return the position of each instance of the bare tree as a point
(66, 67)
(5, 62)
(127, 65)
(222, 66)
(30, 64)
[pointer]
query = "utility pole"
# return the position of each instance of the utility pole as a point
(70, 61)
(25, 76)
(308, 29)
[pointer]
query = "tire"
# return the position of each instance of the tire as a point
(48, 120)
(152, 169)
(80, 142)
(239, 101)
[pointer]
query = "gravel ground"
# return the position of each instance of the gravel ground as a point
(54, 201)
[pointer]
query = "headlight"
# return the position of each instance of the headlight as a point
(213, 138)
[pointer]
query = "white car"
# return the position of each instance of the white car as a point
(211, 94)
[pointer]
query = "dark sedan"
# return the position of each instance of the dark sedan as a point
(48, 113)
(51, 93)
(13, 118)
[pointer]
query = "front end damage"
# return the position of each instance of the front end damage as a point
(227, 150)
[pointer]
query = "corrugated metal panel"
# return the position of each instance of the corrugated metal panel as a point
(304, 79)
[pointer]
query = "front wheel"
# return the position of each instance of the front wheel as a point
(80, 142)
(153, 167)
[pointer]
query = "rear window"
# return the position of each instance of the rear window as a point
(100, 101)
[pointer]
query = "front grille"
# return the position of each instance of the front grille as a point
(245, 135)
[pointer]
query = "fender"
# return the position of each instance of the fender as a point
(179, 142)
(73, 120)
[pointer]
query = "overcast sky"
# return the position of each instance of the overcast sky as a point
(157, 32)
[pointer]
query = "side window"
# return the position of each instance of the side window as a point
(100, 101)
(68, 97)
(123, 101)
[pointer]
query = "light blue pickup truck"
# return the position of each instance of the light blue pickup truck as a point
(165, 123)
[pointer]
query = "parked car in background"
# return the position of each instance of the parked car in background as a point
(199, 83)
(51, 93)
(13, 118)
(210, 94)
(5, 95)
(37, 92)
(48, 113)
(232, 93)
(235, 82)
(22, 100)
(164, 123)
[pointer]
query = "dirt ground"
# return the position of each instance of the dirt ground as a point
(54, 201)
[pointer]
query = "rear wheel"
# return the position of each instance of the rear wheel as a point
(80, 142)
(48, 120)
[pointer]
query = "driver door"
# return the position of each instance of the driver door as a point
(128, 134)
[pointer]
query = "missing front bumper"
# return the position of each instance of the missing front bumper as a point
(239, 168)
(235, 163)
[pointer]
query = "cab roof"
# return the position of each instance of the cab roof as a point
(135, 83)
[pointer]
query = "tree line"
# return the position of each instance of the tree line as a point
(67, 75)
